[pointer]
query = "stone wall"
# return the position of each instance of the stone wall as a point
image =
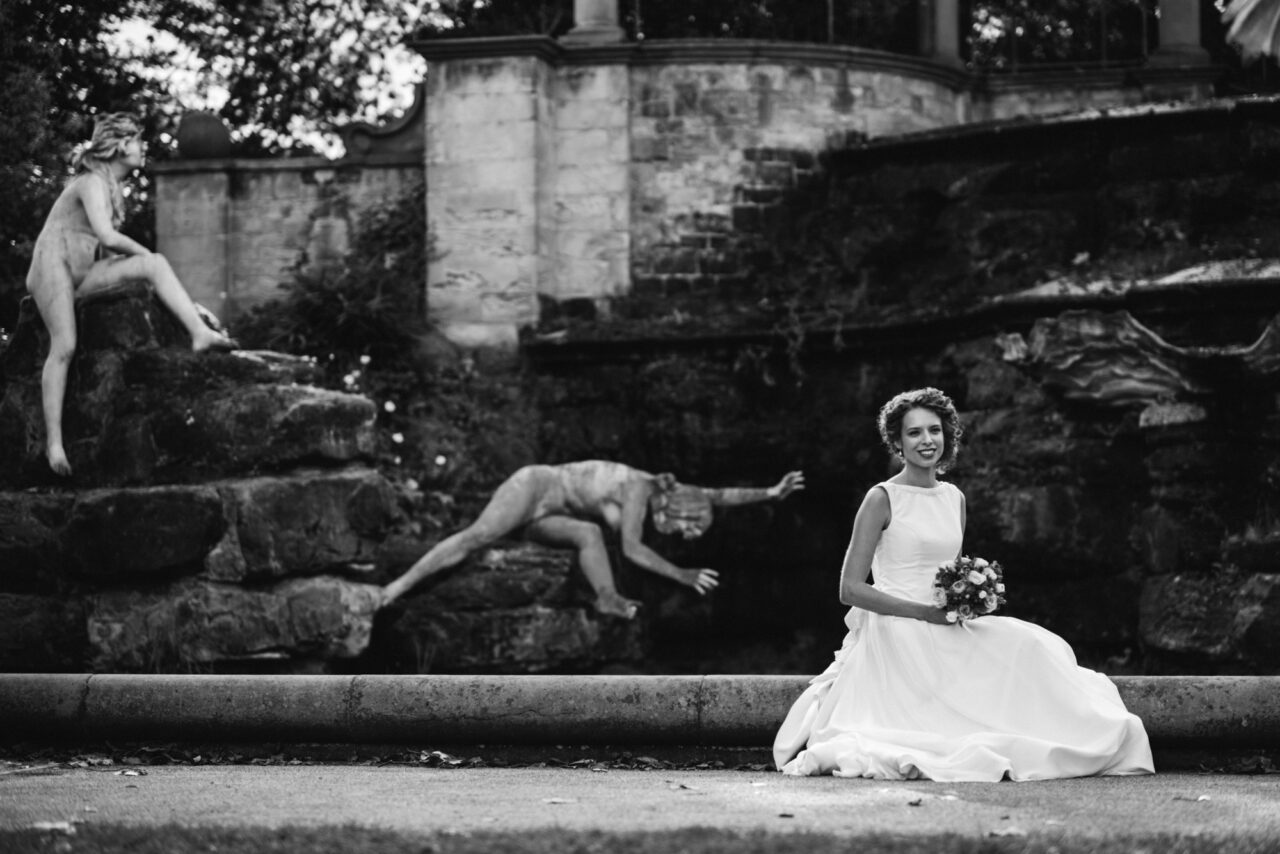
(573, 173)
(561, 175)
(234, 230)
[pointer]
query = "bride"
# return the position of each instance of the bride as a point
(912, 696)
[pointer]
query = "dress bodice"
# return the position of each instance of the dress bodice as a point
(924, 531)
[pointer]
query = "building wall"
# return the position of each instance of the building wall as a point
(235, 229)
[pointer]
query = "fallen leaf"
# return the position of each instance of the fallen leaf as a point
(916, 802)
(55, 827)
(786, 815)
(1011, 830)
(559, 800)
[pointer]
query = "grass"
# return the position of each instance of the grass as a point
(172, 839)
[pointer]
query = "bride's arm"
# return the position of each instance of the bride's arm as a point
(854, 589)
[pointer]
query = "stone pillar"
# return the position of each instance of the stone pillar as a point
(940, 31)
(594, 22)
(587, 212)
(486, 143)
(1180, 34)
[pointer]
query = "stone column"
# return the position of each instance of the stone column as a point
(594, 22)
(940, 31)
(1180, 34)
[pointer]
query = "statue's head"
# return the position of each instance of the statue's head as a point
(112, 133)
(677, 508)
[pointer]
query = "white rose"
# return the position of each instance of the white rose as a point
(980, 563)
(989, 573)
(1000, 587)
(959, 586)
(952, 616)
(939, 597)
(976, 577)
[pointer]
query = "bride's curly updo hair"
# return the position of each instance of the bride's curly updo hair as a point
(889, 421)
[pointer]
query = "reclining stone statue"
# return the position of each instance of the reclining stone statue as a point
(569, 505)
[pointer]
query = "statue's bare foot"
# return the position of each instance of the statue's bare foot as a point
(58, 460)
(210, 340)
(617, 606)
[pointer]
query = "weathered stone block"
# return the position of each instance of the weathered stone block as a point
(41, 634)
(31, 552)
(1182, 537)
(1257, 624)
(513, 608)
(1222, 618)
(149, 531)
(196, 624)
(1082, 534)
(307, 523)
(269, 425)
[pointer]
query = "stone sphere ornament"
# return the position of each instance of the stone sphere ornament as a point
(203, 136)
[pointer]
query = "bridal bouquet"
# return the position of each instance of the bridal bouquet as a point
(968, 587)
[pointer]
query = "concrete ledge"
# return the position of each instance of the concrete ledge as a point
(1179, 711)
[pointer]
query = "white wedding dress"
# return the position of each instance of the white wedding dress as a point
(991, 698)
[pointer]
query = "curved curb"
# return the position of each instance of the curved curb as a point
(1216, 711)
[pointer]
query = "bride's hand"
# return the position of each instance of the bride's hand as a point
(937, 616)
(701, 580)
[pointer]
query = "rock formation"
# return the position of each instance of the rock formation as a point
(223, 515)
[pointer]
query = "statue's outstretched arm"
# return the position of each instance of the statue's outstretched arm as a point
(791, 482)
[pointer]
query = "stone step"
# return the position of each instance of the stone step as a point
(1178, 711)
(304, 522)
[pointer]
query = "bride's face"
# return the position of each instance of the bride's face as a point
(923, 441)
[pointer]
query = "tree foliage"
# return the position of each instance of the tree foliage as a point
(289, 66)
